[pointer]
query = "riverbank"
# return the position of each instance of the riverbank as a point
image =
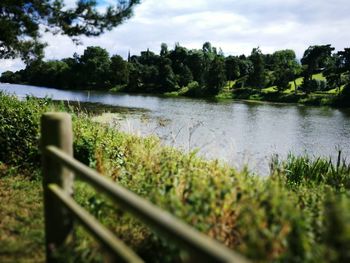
(237, 132)
(321, 98)
(335, 98)
(287, 216)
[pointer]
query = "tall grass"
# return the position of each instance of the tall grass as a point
(286, 217)
(307, 170)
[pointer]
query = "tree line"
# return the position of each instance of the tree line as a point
(203, 72)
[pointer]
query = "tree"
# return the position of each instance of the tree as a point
(164, 50)
(344, 60)
(10, 77)
(95, 66)
(315, 58)
(166, 77)
(285, 68)
(232, 67)
(333, 72)
(195, 62)
(22, 21)
(257, 76)
(216, 77)
(119, 71)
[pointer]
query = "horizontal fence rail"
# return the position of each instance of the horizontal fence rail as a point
(59, 162)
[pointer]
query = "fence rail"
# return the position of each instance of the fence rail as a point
(61, 209)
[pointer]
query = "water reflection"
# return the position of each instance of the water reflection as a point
(237, 132)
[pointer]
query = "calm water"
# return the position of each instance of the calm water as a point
(236, 132)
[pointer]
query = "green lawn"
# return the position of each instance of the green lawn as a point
(21, 218)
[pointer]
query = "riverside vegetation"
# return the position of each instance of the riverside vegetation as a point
(320, 78)
(300, 213)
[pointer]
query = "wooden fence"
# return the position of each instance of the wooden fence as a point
(60, 209)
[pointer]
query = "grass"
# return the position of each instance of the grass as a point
(21, 220)
(285, 217)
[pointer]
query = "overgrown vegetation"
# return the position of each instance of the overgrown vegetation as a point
(300, 213)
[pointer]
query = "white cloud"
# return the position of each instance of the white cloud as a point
(234, 25)
(10, 64)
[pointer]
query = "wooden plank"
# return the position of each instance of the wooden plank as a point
(114, 245)
(204, 248)
(56, 129)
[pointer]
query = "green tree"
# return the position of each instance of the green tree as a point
(344, 60)
(52, 74)
(166, 77)
(10, 77)
(216, 77)
(195, 62)
(315, 58)
(232, 67)
(21, 20)
(119, 71)
(257, 76)
(285, 68)
(95, 67)
(164, 50)
(333, 72)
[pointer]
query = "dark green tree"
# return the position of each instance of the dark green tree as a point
(21, 22)
(95, 67)
(232, 67)
(10, 77)
(333, 72)
(119, 71)
(344, 57)
(257, 77)
(164, 50)
(315, 58)
(166, 78)
(216, 77)
(195, 62)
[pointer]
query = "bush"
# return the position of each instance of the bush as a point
(194, 90)
(313, 85)
(284, 218)
(343, 99)
(19, 129)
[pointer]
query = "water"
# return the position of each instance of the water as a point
(232, 131)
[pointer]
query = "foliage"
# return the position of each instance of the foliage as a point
(286, 217)
(285, 68)
(257, 77)
(315, 58)
(304, 170)
(21, 22)
(216, 77)
(19, 130)
(173, 70)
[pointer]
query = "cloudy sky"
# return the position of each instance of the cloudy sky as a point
(236, 26)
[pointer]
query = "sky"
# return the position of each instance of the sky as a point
(235, 26)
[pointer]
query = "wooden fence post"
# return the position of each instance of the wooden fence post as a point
(56, 130)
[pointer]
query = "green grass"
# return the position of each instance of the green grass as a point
(21, 220)
(318, 76)
(270, 89)
(284, 217)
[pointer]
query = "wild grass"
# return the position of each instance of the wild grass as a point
(286, 217)
(21, 220)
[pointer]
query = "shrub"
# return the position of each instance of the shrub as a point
(285, 217)
(194, 90)
(19, 129)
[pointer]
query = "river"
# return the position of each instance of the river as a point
(236, 132)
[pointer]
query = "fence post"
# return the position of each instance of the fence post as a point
(56, 129)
